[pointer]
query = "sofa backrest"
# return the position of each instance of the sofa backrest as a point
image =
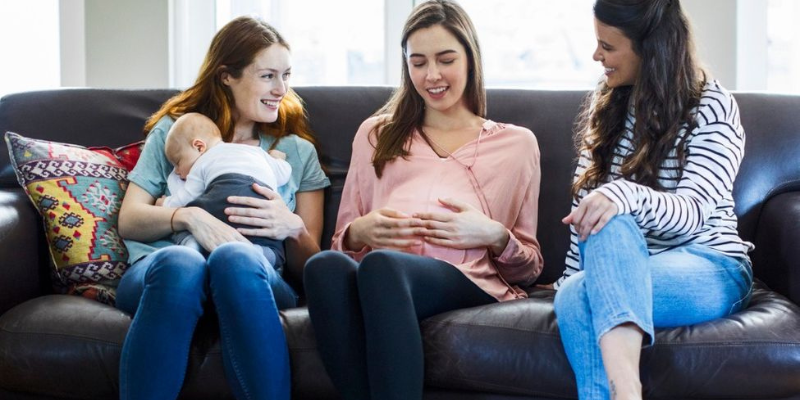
(115, 117)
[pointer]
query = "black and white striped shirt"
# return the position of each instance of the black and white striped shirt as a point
(696, 208)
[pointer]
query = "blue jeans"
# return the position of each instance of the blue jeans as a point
(621, 283)
(166, 293)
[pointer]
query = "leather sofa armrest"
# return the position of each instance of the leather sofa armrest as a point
(776, 259)
(22, 250)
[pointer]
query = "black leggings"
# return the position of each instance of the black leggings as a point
(366, 317)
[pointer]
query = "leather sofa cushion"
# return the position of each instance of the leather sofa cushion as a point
(67, 346)
(62, 346)
(514, 348)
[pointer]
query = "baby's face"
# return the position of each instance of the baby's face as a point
(183, 159)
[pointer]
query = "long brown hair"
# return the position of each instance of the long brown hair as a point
(405, 111)
(233, 48)
(667, 89)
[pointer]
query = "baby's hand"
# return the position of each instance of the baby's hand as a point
(160, 201)
(277, 154)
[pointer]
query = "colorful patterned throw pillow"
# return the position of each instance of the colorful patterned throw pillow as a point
(78, 192)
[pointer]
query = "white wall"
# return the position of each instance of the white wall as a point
(126, 43)
(737, 57)
(72, 38)
(714, 24)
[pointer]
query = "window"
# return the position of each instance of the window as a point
(783, 49)
(525, 44)
(29, 43)
(333, 43)
(536, 44)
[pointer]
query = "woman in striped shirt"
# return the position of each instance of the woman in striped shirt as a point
(654, 240)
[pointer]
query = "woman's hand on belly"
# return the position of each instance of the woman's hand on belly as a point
(384, 228)
(464, 228)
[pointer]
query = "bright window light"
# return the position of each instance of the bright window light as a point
(783, 51)
(526, 44)
(328, 40)
(30, 46)
(536, 44)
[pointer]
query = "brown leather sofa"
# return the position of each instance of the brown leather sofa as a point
(57, 346)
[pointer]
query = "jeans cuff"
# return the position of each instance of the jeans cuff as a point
(624, 318)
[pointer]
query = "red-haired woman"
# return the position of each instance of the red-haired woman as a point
(243, 88)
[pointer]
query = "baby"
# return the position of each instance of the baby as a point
(208, 170)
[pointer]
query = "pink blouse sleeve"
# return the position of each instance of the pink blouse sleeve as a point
(352, 204)
(521, 262)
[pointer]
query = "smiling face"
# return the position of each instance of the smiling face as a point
(615, 52)
(258, 92)
(438, 67)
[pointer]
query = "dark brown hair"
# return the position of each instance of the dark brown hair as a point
(233, 48)
(405, 111)
(667, 89)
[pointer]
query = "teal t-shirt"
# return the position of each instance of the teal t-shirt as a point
(153, 168)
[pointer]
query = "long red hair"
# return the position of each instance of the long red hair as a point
(233, 48)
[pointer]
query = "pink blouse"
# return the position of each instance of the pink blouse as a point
(502, 180)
